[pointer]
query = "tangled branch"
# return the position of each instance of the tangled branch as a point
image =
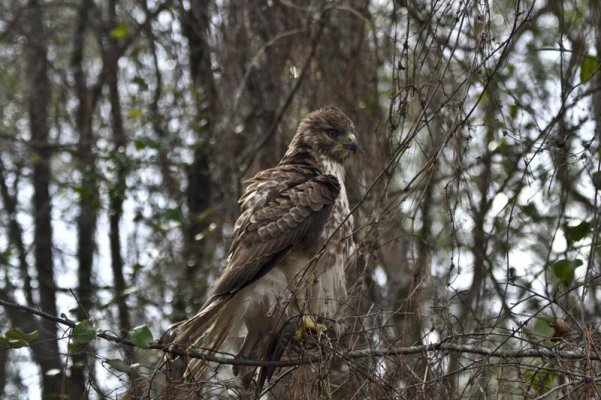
(442, 346)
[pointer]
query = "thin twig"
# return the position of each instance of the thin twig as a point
(357, 354)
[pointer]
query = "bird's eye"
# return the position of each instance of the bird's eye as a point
(333, 133)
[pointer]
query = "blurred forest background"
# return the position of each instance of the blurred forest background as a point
(127, 128)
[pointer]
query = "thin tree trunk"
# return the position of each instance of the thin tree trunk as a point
(38, 103)
(596, 83)
(15, 234)
(597, 78)
(157, 119)
(117, 194)
(88, 194)
(199, 190)
(3, 377)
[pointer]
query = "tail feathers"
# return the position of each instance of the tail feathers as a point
(204, 332)
(187, 333)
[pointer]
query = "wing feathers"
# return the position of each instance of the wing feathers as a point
(269, 183)
(282, 223)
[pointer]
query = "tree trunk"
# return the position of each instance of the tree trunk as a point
(198, 195)
(597, 78)
(117, 194)
(88, 195)
(15, 234)
(38, 100)
(4, 360)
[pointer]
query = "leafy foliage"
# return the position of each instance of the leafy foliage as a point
(83, 332)
(590, 66)
(15, 339)
(141, 336)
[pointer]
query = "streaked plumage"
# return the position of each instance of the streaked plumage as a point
(273, 274)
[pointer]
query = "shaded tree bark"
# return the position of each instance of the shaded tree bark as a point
(117, 192)
(267, 81)
(597, 79)
(87, 98)
(15, 233)
(157, 118)
(117, 195)
(3, 362)
(38, 101)
(195, 22)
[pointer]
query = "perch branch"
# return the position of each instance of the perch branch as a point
(357, 354)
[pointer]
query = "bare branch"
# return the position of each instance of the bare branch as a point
(441, 346)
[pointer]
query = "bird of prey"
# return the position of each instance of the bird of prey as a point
(290, 247)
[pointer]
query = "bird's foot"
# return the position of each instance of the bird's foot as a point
(309, 325)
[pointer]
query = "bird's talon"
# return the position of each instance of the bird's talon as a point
(310, 325)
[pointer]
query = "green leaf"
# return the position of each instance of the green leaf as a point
(542, 327)
(141, 336)
(83, 332)
(119, 32)
(597, 180)
(83, 192)
(513, 110)
(590, 66)
(134, 113)
(6, 343)
(174, 214)
(578, 232)
(15, 334)
(121, 366)
(503, 147)
(564, 270)
(531, 211)
(4, 256)
(140, 145)
(540, 380)
(138, 80)
(15, 339)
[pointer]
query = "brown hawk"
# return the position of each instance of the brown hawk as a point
(291, 245)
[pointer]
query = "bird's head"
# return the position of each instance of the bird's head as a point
(328, 131)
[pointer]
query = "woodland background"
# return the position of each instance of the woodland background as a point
(128, 127)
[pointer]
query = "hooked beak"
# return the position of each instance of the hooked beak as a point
(350, 142)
